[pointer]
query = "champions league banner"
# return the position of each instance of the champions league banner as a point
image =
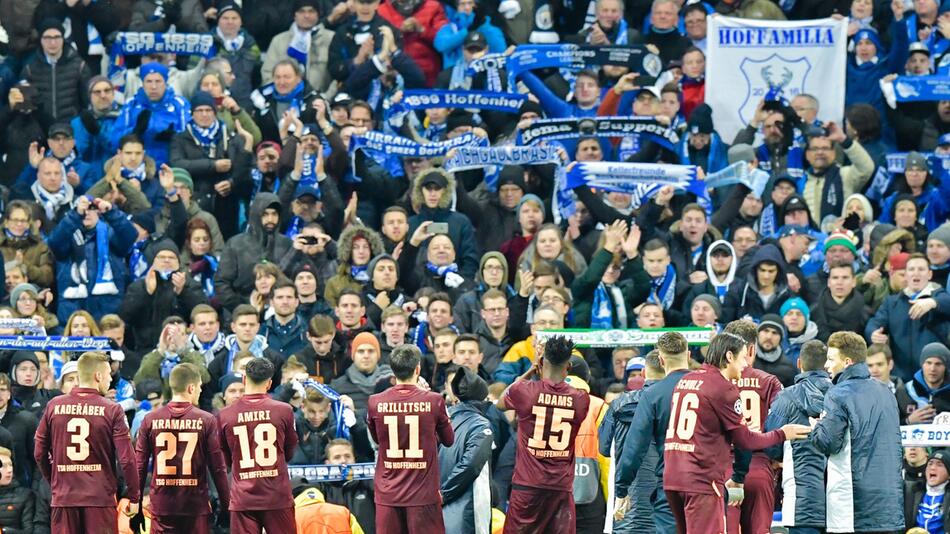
(577, 57)
(429, 98)
(573, 128)
(747, 58)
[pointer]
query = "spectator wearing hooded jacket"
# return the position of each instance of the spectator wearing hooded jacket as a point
(17, 501)
(931, 195)
(868, 62)
(492, 274)
(911, 319)
(931, 383)
(20, 422)
(431, 196)
(165, 290)
(762, 291)
(155, 113)
(803, 478)
(90, 244)
(464, 468)
(356, 247)
(25, 384)
(769, 355)
(234, 280)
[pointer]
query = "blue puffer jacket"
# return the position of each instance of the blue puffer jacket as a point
(168, 116)
(96, 148)
(803, 467)
(860, 435)
(70, 255)
(464, 472)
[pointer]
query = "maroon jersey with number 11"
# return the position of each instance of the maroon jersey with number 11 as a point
(408, 423)
(182, 443)
(549, 417)
(77, 443)
(706, 418)
(258, 437)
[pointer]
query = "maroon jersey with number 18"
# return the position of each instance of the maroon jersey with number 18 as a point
(408, 423)
(182, 443)
(549, 417)
(258, 437)
(77, 443)
(706, 418)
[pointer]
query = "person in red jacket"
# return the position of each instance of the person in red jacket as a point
(419, 21)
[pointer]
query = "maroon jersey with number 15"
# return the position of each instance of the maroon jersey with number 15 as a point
(258, 437)
(549, 417)
(182, 443)
(408, 423)
(77, 443)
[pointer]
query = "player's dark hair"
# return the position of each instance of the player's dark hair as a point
(743, 328)
(404, 359)
(259, 370)
(723, 344)
(849, 345)
(182, 376)
(672, 343)
(813, 356)
(652, 360)
(558, 350)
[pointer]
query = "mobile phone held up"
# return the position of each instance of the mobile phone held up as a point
(438, 228)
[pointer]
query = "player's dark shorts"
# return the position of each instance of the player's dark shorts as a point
(256, 521)
(173, 524)
(84, 520)
(759, 502)
(699, 513)
(535, 510)
(409, 519)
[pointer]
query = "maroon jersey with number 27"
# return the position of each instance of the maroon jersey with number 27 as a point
(258, 436)
(408, 423)
(549, 417)
(706, 418)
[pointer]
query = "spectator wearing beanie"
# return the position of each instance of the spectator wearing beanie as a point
(359, 380)
(932, 195)
(307, 42)
(938, 253)
(180, 208)
(701, 144)
(93, 126)
(383, 288)
(796, 316)
(493, 214)
(216, 160)
(155, 113)
(931, 383)
(165, 290)
(769, 356)
(841, 247)
(357, 246)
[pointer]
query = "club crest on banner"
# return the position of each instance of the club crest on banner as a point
(905, 90)
(774, 72)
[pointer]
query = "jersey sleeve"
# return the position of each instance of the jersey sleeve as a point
(123, 449)
(514, 395)
(290, 433)
(41, 447)
(217, 463)
(442, 424)
(143, 451)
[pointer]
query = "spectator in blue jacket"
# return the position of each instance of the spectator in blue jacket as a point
(803, 477)
(61, 141)
(859, 432)
(931, 195)
(467, 25)
(868, 62)
(155, 113)
(93, 126)
(285, 330)
(90, 244)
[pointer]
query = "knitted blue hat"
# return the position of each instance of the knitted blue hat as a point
(796, 303)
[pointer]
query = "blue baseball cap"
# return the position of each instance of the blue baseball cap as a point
(305, 190)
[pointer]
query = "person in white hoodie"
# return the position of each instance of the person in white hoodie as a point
(721, 266)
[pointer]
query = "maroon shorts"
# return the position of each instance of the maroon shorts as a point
(256, 521)
(698, 513)
(85, 520)
(409, 519)
(539, 511)
(172, 524)
(759, 502)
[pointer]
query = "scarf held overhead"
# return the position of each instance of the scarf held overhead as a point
(574, 128)
(577, 57)
(431, 98)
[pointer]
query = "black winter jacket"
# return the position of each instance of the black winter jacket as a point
(743, 296)
(804, 466)
(144, 313)
(17, 509)
(61, 87)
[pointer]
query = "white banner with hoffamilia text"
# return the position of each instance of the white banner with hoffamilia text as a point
(748, 58)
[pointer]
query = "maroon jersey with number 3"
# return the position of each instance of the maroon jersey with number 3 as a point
(77, 443)
(408, 423)
(258, 437)
(182, 443)
(706, 418)
(549, 417)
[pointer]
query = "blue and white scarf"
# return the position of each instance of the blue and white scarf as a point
(67, 161)
(606, 301)
(663, 289)
(231, 45)
(299, 45)
(360, 273)
(339, 410)
(442, 270)
(169, 361)
(491, 159)
(206, 276)
(767, 221)
(137, 264)
(137, 173)
(207, 138)
(79, 272)
(256, 348)
(52, 202)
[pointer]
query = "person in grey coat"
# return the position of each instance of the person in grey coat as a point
(860, 434)
(464, 466)
(803, 466)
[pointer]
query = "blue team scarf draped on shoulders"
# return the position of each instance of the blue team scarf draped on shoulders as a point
(663, 289)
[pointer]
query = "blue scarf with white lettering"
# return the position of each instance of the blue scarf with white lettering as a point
(663, 289)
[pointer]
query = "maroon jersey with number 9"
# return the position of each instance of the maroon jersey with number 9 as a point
(549, 417)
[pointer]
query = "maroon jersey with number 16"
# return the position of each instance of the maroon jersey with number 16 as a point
(706, 418)
(258, 437)
(408, 423)
(77, 443)
(549, 417)
(182, 443)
